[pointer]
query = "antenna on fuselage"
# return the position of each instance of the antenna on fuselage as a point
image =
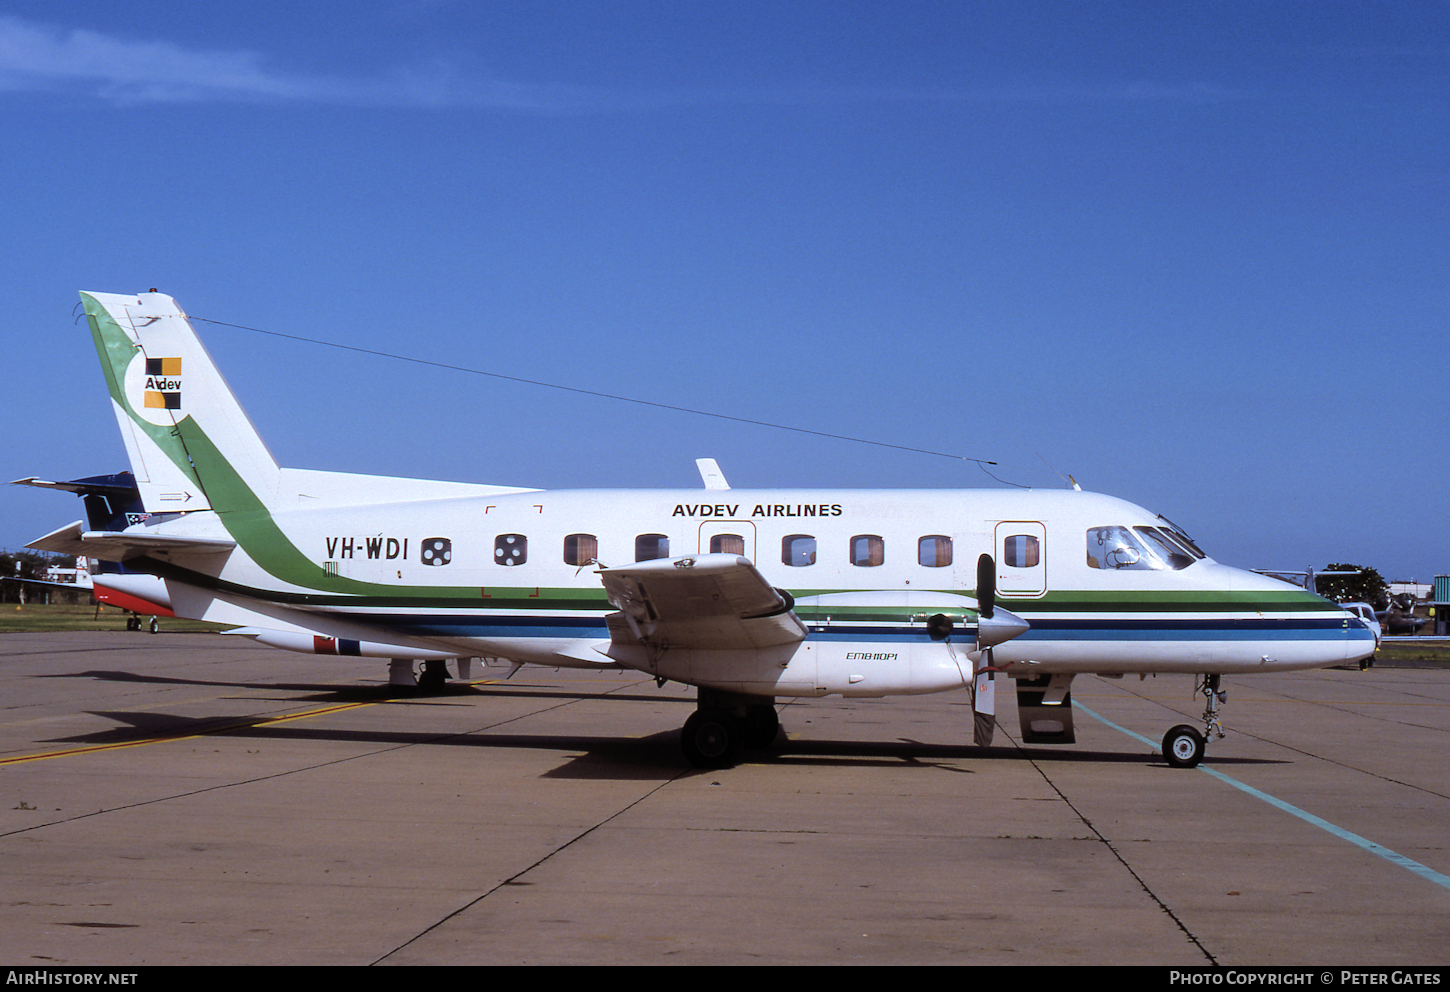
(1065, 478)
(711, 474)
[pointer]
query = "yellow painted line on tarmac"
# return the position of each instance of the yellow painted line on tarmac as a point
(223, 728)
(168, 738)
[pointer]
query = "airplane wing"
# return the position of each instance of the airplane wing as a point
(73, 586)
(113, 545)
(717, 601)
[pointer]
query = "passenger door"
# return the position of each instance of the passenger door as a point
(1021, 552)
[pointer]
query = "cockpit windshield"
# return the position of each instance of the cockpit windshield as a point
(1180, 536)
(1141, 548)
(1181, 542)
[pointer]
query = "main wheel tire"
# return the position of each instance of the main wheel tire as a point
(434, 677)
(762, 725)
(155, 626)
(1183, 746)
(711, 739)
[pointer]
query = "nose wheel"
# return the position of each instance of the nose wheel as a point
(1183, 746)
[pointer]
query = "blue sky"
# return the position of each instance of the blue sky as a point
(1195, 255)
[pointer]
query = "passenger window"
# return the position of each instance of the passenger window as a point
(650, 546)
(798, 550)
(436, 551)
(581, 549)
(727, 544)
(934, 551)
(867, 550)
(1021, 551)
(511, 549)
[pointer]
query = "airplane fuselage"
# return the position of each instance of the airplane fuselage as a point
(514, 576)
(749, 595)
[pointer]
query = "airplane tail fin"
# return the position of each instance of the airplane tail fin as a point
(191, 446)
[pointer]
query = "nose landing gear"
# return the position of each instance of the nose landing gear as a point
(1183, 746)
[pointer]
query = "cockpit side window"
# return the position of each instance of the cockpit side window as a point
(1113, 547)
(1141, 548)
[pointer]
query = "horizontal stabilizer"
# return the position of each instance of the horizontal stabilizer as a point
(112, 545)
(100, 485)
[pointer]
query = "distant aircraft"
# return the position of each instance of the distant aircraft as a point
(71, 579)
(1399, 616)
(749, 595)
(114, 502)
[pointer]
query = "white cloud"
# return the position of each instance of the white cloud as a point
(41, 57)
(35, 57)
(38, 57)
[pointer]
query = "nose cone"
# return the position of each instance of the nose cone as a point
(1002, 627)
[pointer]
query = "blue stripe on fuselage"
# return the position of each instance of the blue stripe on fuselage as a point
(1041, 629)
(1253, 629)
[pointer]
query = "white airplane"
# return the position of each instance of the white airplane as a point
(750, 596)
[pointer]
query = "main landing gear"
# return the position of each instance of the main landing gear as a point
(1183, 746)
(133, 622)
(433, 678)
(724, 725)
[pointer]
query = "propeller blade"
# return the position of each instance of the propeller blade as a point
(986, 586)
(984, 702)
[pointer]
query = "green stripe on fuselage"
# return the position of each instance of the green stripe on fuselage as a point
(1171, 601)
(251, 525)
